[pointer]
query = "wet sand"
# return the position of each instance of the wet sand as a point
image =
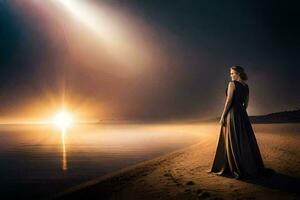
(182, 174)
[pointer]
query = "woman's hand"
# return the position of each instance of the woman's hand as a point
(222, 121)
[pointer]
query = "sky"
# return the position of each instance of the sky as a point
(145, 60)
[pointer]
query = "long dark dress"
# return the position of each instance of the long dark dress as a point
(237, 152)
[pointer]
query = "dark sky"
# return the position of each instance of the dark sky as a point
(172, 60)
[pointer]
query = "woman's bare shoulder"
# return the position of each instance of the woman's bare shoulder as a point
(231, 83)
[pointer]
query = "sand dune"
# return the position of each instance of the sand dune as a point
(182, 174)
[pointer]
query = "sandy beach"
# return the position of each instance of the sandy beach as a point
(182, 174)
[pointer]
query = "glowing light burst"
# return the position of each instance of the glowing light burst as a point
(63, 119)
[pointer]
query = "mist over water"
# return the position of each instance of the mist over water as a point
(39, 160)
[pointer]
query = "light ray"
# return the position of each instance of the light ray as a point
(110, 31)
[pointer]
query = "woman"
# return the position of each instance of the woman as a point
(237, 151)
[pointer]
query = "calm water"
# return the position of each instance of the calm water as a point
(37, 161)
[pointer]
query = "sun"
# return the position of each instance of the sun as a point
(63, 119)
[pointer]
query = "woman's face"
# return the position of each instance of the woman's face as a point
(234, 75)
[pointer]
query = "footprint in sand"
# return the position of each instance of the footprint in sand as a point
(203, 195)
(206, 195)
(167, 174)
(199, 191)
(190, 183)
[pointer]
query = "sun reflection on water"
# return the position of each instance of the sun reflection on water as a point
(64, 157)
(63, 120)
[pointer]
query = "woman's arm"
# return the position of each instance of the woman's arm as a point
(228, 102)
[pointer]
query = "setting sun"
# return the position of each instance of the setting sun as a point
(63, 119)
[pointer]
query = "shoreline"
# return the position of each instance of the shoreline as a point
(124, 171)
(182, 175)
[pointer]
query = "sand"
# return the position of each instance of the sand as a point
(182, 174)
